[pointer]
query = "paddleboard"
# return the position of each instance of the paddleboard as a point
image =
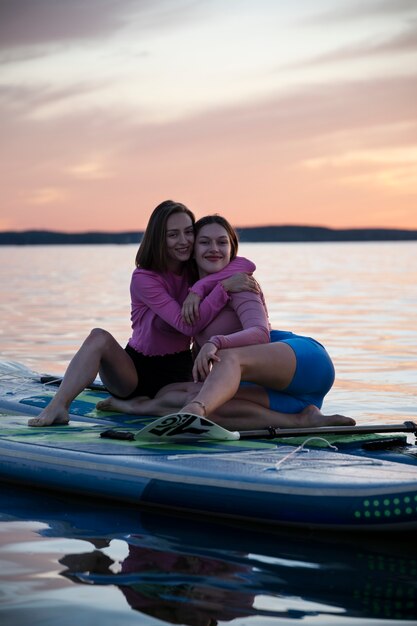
(335, 483)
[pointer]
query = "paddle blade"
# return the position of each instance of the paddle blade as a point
(183, 426)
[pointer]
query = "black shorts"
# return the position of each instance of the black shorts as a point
(154, 372)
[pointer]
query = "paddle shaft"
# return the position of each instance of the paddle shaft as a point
(216, 432)
(56, 381)
(273, 433)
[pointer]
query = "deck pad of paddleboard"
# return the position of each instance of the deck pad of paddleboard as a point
(21, 390)
(85, 437)
(33, 396)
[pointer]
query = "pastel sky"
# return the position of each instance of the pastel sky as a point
(267, 111)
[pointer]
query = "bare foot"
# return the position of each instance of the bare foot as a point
(134, 406)
(50, 417)
(312, 417)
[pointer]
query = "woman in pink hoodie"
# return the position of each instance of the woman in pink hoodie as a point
(164, 318)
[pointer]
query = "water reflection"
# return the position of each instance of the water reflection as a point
(176, 587)
(184, 571)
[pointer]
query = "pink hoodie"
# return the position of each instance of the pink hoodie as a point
(157, 324)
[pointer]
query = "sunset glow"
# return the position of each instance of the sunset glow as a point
(268, 112)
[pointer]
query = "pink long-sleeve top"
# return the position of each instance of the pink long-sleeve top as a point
(242, 322)
(157, 325)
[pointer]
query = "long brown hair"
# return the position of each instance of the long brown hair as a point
(152, 253)
(222, 221)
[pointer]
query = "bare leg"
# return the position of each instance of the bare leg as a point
(247, 415)
(248, 410)
(100, 353)
(133, 406)
(270, 365)
(142, 405)
(169, 399)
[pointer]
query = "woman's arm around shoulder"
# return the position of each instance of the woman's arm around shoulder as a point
(239, 265)
(251, 310)
(252, 313)
(151, 289)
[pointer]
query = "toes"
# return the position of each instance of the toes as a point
(344, 420)
(42, 421)
(37, 421)
(103, 405)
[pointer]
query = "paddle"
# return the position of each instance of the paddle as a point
(47, 379)
(183, 426)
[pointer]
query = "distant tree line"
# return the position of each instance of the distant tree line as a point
(319, 233)
(46, 237)
(253, 234)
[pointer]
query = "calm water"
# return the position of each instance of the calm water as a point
(116, 565)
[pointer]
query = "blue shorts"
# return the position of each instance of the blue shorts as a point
(313, 378)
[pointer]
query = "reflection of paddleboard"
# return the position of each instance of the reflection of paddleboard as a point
(178, 559)
(269, 481)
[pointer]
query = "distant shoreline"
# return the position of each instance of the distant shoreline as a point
(256, 234)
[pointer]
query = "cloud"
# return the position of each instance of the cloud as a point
(389, 6)
(112, 168)
(390, 168)
(93, 167)
(45, 196)
(317, 110)
(39, 22)
(298, 115)
(25, 24)
(403, 42)
(362, 10)
(31, 101)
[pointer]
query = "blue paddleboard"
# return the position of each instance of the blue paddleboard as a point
(347, 486)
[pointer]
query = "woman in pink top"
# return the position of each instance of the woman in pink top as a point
(286, 375)
(158, 353)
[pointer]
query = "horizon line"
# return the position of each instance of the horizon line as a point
(258, 226)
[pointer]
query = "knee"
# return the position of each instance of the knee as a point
(230, 357)
(99, 337)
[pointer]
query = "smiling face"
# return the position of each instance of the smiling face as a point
(212, 249)
(179, 240)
